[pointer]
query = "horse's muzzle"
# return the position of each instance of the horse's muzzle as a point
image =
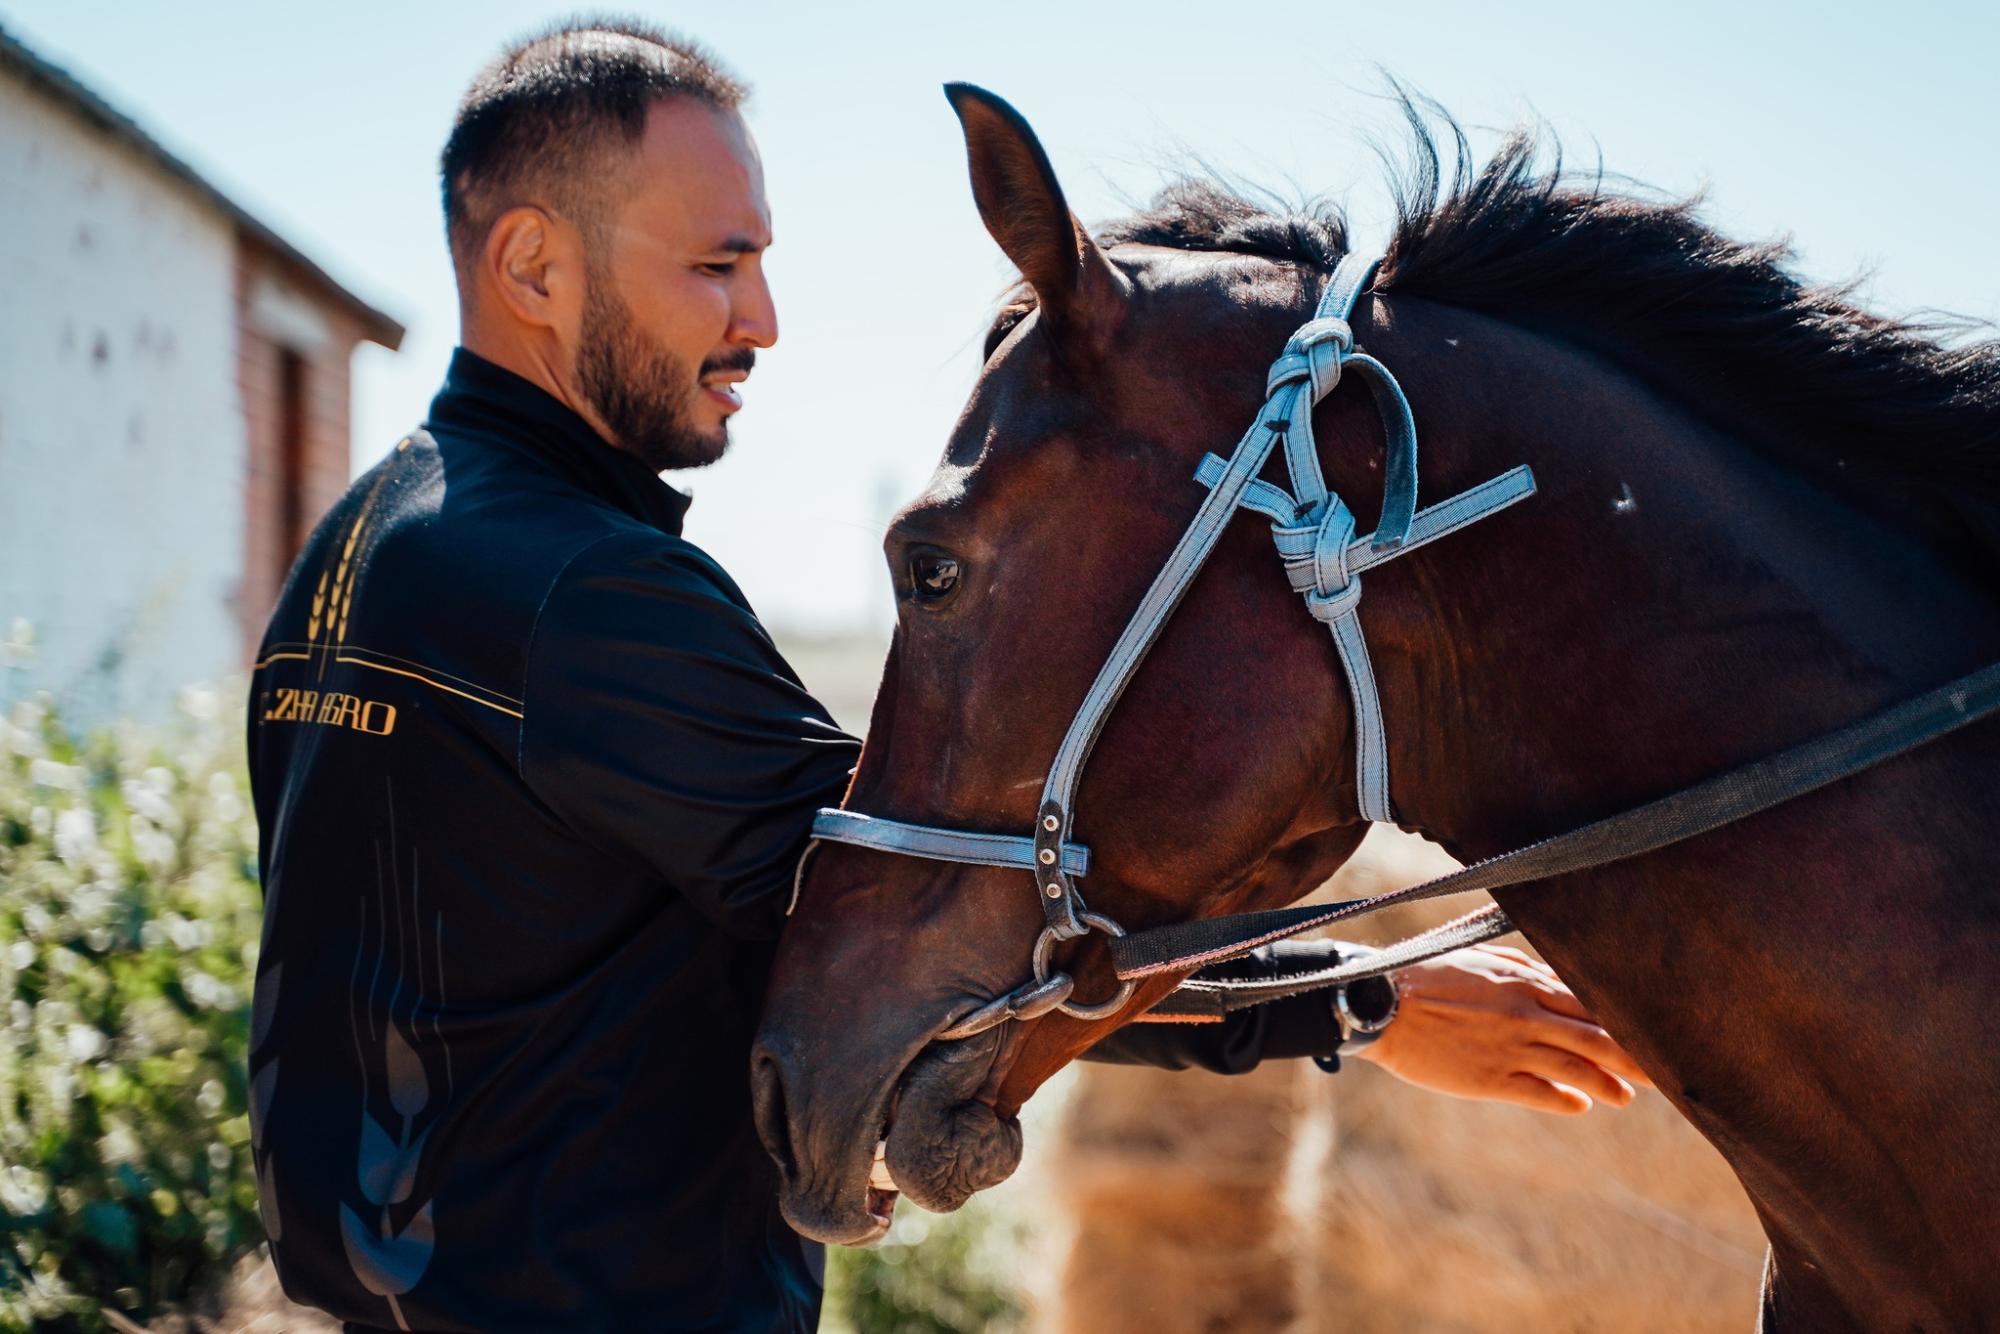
(942, 1144)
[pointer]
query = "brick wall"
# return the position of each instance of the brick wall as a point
(276, 316)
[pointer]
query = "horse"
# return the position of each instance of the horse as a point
(1760, 513)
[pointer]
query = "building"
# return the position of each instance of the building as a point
(173, 404)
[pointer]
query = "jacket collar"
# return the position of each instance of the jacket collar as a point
(493, 402)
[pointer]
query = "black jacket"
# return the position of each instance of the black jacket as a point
(532, 780)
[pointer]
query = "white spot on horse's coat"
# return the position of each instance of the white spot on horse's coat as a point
(946, 485)
(1451, 342)
(1624, 502)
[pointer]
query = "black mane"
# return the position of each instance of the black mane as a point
(1721, 324)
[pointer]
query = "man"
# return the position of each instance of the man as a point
(533, 779)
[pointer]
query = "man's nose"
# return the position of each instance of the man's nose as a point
(754, 321)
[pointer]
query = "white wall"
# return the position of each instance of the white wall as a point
(122, 445)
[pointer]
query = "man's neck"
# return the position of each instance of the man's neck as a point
(533, 363)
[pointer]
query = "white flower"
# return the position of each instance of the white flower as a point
(210, 1099)
(150, 845)
(186, 935)
(120, 1145)
(76, 835)
(21, 954)
(147, 799)
(84, 1043)
(23, 1191)
(90, 903)
(52, 773)
(208, 991)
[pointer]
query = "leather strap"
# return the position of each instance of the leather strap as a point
(1706, 806)
(944, 845)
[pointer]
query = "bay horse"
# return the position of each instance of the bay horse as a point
(1761, 513)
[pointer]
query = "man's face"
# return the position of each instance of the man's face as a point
(677, 303)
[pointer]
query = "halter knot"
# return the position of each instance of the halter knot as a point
(1328, 607)
(1325, 342)
(1313, 353)
(1336, 533)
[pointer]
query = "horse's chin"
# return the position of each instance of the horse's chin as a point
(932, 1140)
(944, 1145)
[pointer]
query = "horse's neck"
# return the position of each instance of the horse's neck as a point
(1669, 606)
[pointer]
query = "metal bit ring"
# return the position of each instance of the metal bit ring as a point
(1045, 942)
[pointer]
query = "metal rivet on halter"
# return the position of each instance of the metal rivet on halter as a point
(1054, 890)
(1048, 856)
(1050, 823)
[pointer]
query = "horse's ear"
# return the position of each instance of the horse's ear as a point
(1022, 205)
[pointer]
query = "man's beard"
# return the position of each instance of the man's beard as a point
(642, 391)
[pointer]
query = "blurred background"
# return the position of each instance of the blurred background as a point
(224, 291)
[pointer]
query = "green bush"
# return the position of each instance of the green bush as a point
(129, 919)
(933, 1274)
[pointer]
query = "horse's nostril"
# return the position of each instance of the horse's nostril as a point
(767, 1098)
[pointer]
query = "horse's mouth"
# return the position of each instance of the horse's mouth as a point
(935, 1141)
(882, 1191)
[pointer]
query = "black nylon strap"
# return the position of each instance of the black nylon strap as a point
(1706, 806)
(1205, 997)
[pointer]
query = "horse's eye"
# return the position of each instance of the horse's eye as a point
(933, 575)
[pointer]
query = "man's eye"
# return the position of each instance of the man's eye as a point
(933, 575)
(720, 268)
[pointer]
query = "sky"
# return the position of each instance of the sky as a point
(1859, 130)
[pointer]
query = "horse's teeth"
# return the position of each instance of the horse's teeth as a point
(878, 1174)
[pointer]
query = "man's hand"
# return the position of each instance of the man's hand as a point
(1489, 1022)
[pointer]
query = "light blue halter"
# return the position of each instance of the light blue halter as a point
(1323, 559)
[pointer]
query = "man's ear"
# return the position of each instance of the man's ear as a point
(529, 263)
(1023, 207)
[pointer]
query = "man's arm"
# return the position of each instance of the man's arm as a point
(1488, 1023)
(661, 723)
(1277, 1030)
(1495, 1024)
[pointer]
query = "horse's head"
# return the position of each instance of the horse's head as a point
(1223, 780)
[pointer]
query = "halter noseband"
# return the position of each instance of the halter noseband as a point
(1323, 560)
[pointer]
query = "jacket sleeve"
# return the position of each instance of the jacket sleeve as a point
(662, 724)
(1276, 1030)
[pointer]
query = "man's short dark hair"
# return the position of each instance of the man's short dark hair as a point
(544, 122)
